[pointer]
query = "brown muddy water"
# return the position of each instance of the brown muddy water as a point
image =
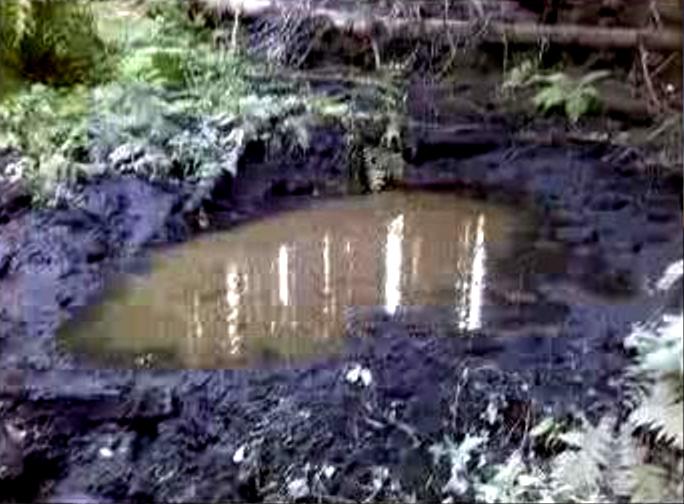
(281, 289)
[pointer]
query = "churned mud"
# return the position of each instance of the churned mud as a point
(580, 268)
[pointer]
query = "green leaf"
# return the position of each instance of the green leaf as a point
(549, 98)
(576, 106)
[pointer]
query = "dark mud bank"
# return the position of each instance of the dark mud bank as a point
(72, 433)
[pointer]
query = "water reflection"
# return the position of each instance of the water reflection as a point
(478, 277)
(393, 269)
(279, 288)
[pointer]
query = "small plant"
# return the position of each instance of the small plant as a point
(576, 97)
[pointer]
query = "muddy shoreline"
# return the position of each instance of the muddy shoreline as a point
(72, 432)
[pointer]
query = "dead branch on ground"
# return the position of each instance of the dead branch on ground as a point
(365, 24)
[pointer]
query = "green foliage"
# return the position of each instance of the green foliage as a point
(154, 116)
(458, 455)
(521, 74)
(558, 91)
(576, 97)
(124, 114)
(589, 448)
(52, 41)
(49, 127)
(606, 462)
(215, 81)
(660, 356)
(173, 105)
(156, 65)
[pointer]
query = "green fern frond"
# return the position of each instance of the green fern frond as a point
(661, 413)
(659, 350)
(624, 458)
(52, 41)
(660, 354)
(580, 467)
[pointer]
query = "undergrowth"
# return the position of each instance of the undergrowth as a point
(636, 459)
(52, 41)
(574, 97)
(168, 104)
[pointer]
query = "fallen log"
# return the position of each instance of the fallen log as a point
(524, 33)
(363, 23)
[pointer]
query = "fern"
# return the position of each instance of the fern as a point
(660, 358)
(620, 471)
(49, 127)
(600, 465)
(52, 41)
(513, 482)
(661, 413)
(589, 450)
(458, 456)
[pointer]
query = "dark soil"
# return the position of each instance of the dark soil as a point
(71, 433)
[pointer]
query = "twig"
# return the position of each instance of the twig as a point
(655, 14)
(647, 77)
(454, 407)
(664, 64)
(666, 124)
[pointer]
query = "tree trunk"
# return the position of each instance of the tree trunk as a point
(367, 25)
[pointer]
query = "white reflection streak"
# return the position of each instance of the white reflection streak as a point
(283, 287)
(395, 237)
(415, 259)
(196, 319)
(327, 288)
(233, 302)
(326, 270)
(462, 287)
(478, 274)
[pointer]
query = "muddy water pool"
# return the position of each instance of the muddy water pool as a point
(281, 289)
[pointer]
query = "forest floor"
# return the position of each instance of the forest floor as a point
(608, 224)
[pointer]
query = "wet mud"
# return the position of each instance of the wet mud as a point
(561, 306)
